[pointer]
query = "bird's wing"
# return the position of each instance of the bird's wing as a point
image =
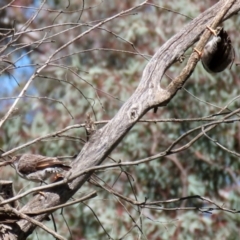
(29, 163)
(45, 162)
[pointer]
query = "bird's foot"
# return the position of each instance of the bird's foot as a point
(212, 31)
(41, 182)
(215, 32)
(198, 52)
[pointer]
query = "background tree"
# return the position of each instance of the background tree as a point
(71, 59)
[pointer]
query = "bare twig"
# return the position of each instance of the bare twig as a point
(60, 49)
(35, 222)
(87, 197)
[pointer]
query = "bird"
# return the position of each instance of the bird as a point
(218, 52)
(38, 168)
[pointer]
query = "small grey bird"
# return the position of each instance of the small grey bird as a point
(38, 168)
(218, 52)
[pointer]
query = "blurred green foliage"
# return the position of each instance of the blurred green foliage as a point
(100, 72)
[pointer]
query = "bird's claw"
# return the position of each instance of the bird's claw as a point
(198, 52)
(216, 31)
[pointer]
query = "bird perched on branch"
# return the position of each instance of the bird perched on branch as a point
(38, 168)
(218, 52)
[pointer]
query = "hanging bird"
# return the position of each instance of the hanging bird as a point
(38, 168)
(218, 52)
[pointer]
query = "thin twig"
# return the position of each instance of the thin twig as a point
(47, 210)
(35, 222)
